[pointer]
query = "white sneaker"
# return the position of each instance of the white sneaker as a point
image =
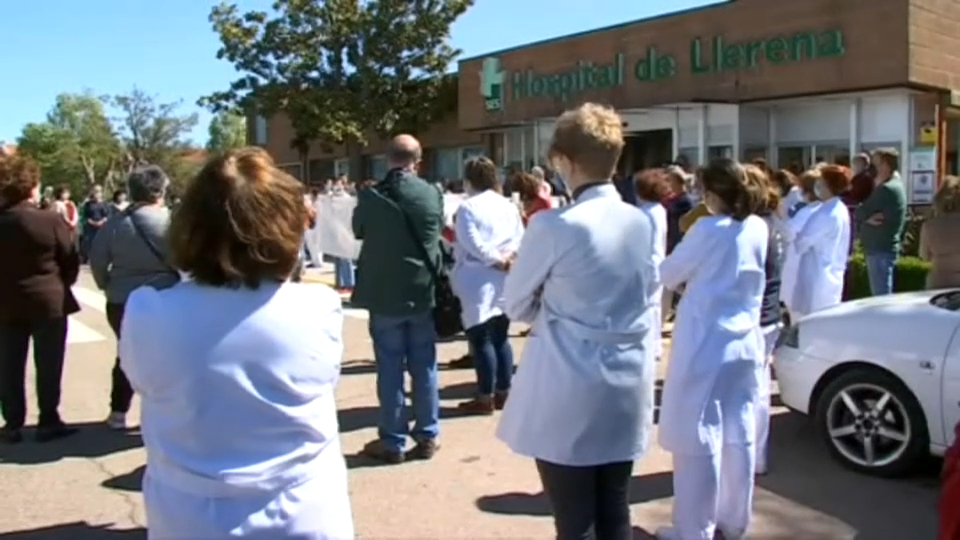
(117, 421)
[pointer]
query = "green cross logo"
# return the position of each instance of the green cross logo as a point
(491, 84)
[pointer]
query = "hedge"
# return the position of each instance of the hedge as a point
(910, 274)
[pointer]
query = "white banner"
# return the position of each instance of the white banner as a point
(333, 232)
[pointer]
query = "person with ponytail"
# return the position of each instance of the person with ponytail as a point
(707, 418)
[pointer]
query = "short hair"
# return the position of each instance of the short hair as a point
(60, 190)
(807, 182)
(404, 153)
(889, 156)
(727, 180)
(481, 173)
(768, 199)
(836, 178)
(19, 176)
(784, 180)
(538, 173)
(117, 193)
(761, 163)
(147, 184)
(527, 185)
(947, 199)
(591, 137)
(241, 222)
(862, 157)
(652, 185)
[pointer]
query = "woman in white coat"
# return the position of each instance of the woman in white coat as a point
(823, 247)
(653, 186)
(707, 417)
(488, 231)
(771, 317)
(582, 399)
(236, 369)
(797, 217)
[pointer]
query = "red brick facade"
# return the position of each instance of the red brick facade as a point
(739, 51)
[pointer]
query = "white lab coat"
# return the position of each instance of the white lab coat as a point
(721, 260)
(791, 259)
(487, 228)
(238, 414)
(658, 214)
(823, 246)
(584, 277)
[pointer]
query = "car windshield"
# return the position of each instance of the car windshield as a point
(949, 300)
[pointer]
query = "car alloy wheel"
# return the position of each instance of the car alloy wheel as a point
(872, 423)
(868, 425)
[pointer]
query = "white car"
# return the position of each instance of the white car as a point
(880, 376)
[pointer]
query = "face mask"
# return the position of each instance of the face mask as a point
(821, 191)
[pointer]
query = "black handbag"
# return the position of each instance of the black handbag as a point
(446, 304)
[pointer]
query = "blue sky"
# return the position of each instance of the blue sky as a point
(168, 49)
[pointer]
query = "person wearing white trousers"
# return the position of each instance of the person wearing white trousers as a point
(771, 317)
(707, 417)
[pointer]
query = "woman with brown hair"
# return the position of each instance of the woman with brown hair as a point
(236, 368)
(488, 232)
(40, 263)
(533, 197)
(652, 187)
(938, 237)
(771, 320)
(707, 415)
(823, 246)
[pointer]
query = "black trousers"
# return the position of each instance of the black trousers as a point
(49, 347)
(589, 503)
(121, 393)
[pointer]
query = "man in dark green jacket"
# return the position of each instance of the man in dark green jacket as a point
(399, 221)
(880, 220)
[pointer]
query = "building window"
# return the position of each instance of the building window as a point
(320, 170)
(449, 164)
(293, 169)
(341, 167)
(377, 167)
(259, 130)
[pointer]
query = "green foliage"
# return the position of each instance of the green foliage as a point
(910, 274)
(227, 130)
(76, 145)
(153, 132)
(340, 68)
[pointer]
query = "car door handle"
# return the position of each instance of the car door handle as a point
(927, 365)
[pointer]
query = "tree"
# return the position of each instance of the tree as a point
(156, 133)
(76, 145)
(339, 68)
(227, 130)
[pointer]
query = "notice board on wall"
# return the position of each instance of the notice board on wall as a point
(922, 175)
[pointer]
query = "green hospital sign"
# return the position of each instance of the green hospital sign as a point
(655, 65)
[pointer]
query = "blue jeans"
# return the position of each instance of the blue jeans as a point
(343, 273)
(492, 355)
(406, 343)
(880, 272)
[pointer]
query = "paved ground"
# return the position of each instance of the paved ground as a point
(87, 487)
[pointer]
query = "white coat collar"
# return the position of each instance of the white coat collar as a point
(601, 191)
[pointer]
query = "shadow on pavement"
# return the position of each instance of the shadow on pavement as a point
(642, 489)
(93, 441)
(459, 391)
(802, 471)
(358, 367)
(357, 418)
(131, 481)
(76, 531)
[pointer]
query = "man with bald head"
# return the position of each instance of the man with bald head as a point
(399, 220)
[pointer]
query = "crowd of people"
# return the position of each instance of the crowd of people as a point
(236, 363)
